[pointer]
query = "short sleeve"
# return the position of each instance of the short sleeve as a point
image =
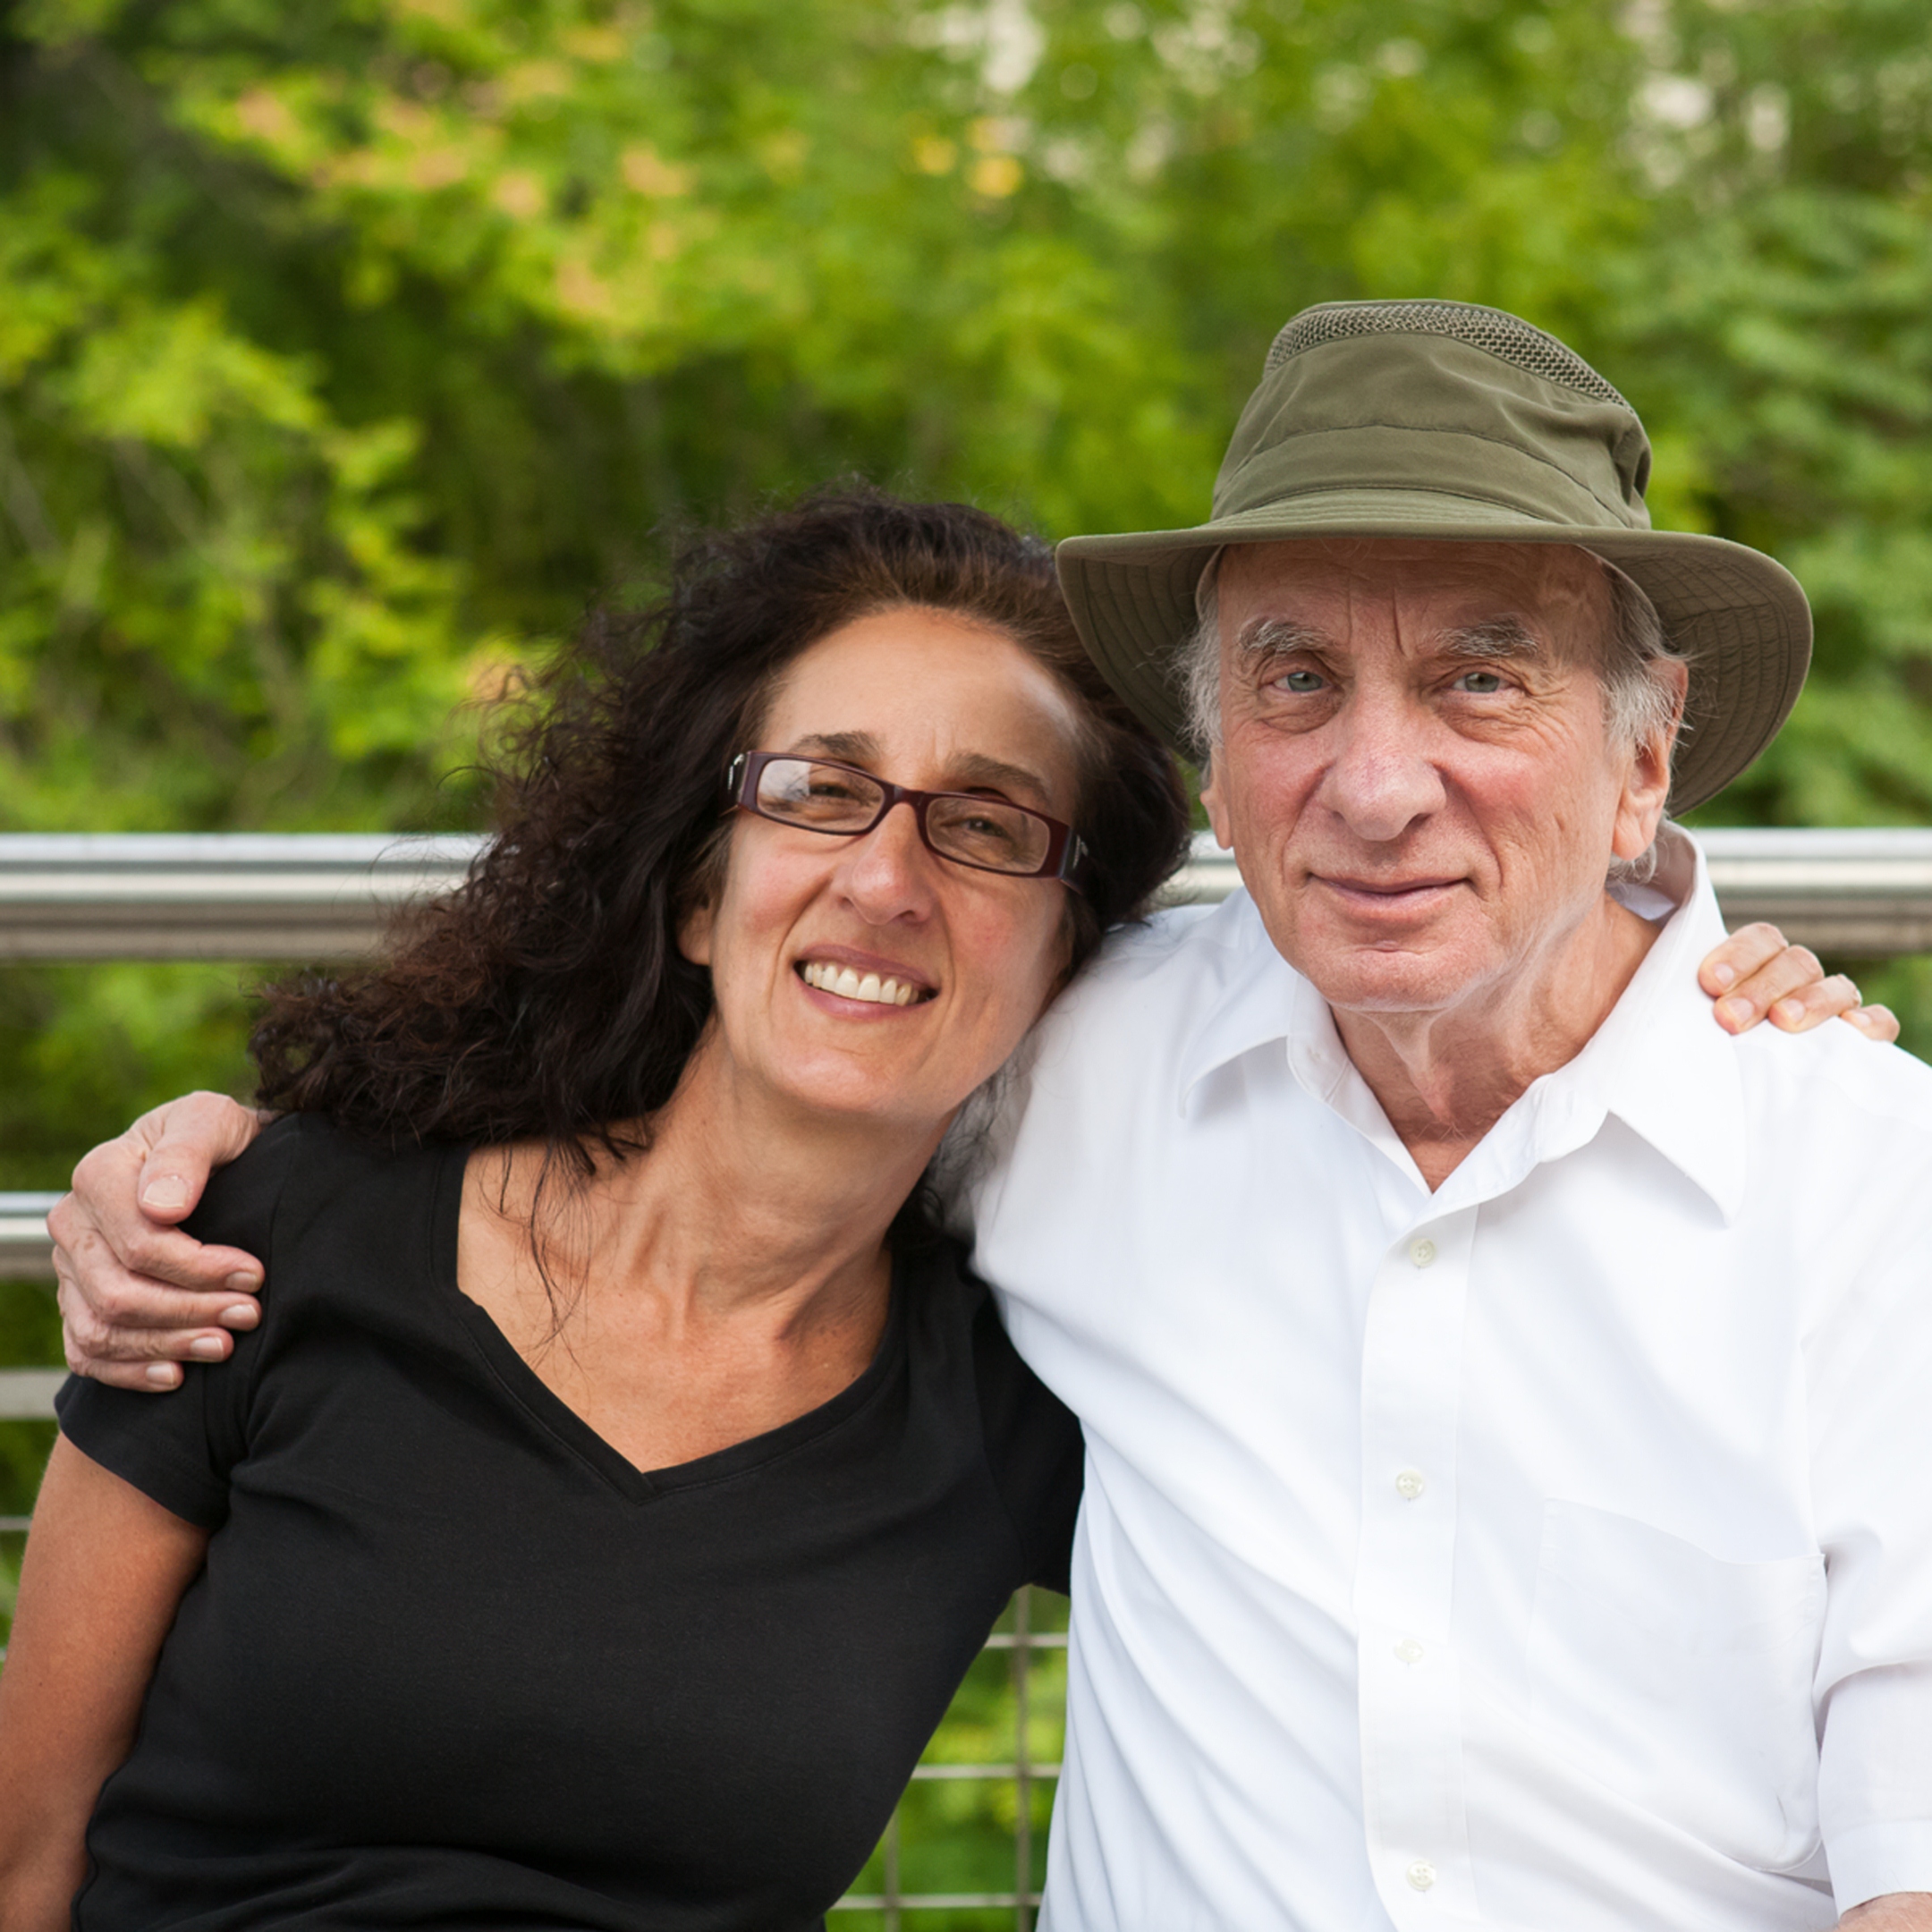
(1035, 1449)
(178, 1449)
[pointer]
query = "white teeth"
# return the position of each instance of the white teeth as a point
(849, 985)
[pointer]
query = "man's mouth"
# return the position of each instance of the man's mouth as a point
(877, 989)
(1390, 889)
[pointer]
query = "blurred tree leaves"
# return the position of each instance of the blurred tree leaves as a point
(345, 350)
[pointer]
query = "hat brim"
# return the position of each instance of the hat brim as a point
(1740, 617)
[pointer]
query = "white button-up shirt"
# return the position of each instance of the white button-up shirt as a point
(1550, 1552)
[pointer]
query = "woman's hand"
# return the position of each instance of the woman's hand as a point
(137, 1296)
(1754, 974)
(101, 1581)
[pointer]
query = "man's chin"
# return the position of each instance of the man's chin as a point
(1389, 978)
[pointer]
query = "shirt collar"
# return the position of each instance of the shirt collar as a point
(1256, 1003)
(1658, 1062)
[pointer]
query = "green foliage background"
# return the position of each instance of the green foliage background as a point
(346, 347)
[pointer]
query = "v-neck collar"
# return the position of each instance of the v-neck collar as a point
(557, 1418)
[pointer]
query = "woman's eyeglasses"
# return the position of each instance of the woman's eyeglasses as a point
(986, 834)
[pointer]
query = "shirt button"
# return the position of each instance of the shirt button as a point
(1409, 1651)
(1410, 1485)
(1421, 1876)
(1422, 1252)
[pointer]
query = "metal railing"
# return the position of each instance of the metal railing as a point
(1855, 895)
(250, 895)
(265, 896)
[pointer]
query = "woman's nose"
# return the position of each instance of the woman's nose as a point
(888, 872)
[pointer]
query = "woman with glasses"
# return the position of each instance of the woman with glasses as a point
(625, 1470)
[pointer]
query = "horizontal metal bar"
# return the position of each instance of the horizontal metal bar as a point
(27, 1395)
(976, 1773)
(1865, 893)
(1032, 1641)
(24, 1247)
(213, 895)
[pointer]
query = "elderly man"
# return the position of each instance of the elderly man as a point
(1504, 1391)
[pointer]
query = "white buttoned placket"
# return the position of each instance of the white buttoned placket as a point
(1409, 1678)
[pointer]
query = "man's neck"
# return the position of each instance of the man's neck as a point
(1444, 1077)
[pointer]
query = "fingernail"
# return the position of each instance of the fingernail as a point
(244, 1315)
(240, 1284)
(166, 1191)
(207, 1348)
(1736, 1010)
(161, 1375)
(1788, 1012)
(1723, 975)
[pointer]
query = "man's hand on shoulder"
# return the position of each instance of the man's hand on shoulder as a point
(1896, 1911)
(137, 1295)
(1754, 975)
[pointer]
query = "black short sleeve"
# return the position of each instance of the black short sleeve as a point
(178, 1448)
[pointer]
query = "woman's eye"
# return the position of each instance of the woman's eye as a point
(1480, 684)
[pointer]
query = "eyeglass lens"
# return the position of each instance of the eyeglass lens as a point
(983, 832)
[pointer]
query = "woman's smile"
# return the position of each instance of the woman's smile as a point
(867, 982)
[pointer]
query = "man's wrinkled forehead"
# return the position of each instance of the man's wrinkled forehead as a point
(1559, 591)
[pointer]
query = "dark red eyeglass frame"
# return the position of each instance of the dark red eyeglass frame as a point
(1065, 851)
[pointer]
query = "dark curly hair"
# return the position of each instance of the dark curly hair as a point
(548, 998)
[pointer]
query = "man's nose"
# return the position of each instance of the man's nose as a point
(888, 871)
(1380, 779)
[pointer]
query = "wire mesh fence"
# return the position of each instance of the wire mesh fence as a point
(966, 1847)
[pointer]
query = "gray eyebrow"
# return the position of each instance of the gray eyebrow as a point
(1266, 638)
(1496, 638)
(1493, 640)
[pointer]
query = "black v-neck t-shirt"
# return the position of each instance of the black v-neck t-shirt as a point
(455, 1662)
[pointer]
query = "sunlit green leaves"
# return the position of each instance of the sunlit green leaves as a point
(345, 350)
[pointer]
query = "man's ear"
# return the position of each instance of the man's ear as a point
(1212, 797)
(1646, 782)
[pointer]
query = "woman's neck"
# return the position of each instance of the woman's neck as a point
(732, 1277)
(743, 1198)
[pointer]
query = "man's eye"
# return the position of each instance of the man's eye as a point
(1302, 682)
(1480, 683)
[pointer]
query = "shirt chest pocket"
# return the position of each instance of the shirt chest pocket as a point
(1681, 1681)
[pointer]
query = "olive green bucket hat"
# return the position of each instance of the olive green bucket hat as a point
(1439, 419)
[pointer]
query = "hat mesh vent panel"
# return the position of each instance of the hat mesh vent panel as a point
(1501, 335)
